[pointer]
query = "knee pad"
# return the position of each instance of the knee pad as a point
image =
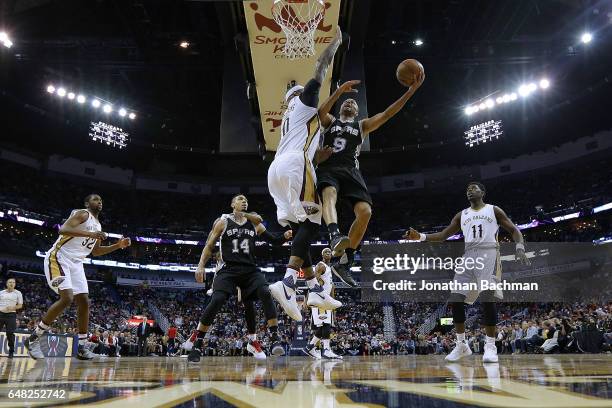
(307, 232)
(217, 301)
(312, 229)
(458, 312)
(326, 331)
(307, 260)
(489, 314)
(318, 331)
(300, 246)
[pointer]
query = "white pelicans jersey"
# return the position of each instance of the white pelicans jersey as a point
(479, 227)
(300, 129)
(77, 248)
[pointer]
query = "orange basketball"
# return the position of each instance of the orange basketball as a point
(406, 71)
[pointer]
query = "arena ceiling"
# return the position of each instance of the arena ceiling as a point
(128, 51)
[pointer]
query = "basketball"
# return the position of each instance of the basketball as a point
(406, 71)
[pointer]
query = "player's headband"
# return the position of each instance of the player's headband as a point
(292, 90)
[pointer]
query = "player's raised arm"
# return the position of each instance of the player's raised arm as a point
(450, 230)
(213, 237)
(371, 124)
(99, 250)
(325, 108)
(517, 235)
(70, 227)
(310, 95)
(326, 58)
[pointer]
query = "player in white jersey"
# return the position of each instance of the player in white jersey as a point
(479, 224)
(80, 236)
(323, 320)
(292, 184)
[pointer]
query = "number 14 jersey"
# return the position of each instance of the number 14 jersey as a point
(238, 242)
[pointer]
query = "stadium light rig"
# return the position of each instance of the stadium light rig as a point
(523, 91)
(483, 133)
(5, 40)
(108, 134)
(95, 102)
(586, 37)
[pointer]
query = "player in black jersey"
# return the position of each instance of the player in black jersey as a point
(236, 234)
(339, 175)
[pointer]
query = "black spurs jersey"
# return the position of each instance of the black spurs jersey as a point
(238, 242)
(345, 139)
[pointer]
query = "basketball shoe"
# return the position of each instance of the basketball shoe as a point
(254, 347)
(284, 293)
(318, 298)
(461, 350)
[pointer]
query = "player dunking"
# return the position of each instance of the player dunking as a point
(322, 320)
(236, 234)
(292, 184)
(80, 236)
(479, 224)
(339, 175)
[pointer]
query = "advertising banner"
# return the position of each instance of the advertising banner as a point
(273, 70)
(52, 345)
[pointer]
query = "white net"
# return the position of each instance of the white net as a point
(299, 20)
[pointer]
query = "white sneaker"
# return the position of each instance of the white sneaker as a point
(461, 350)
(318, 298)
(254, 347)
(330, 355)
(284, 293)
(312, 352)
(490, 354)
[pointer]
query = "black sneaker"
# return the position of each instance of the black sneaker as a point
(194, 355)
(343, 271)
(10, 355)
(339, 243)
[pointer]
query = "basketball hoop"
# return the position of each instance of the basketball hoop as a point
(299, 20)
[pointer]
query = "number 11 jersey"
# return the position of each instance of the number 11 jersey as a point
(479, 227)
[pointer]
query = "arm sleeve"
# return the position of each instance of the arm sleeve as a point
(273, 237)
(310, 96)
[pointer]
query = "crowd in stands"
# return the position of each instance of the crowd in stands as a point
(358, 326)
(148, 213)
(523, 328)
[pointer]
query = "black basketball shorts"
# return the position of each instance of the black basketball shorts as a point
(247, 278)
(348, 181)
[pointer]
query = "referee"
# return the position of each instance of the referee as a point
(11, 300)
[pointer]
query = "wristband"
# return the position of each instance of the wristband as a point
(520, 245)
(422, 237)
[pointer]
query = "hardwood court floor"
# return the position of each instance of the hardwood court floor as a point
(524, 381)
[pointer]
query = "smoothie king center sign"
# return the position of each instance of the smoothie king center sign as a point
(273, 70)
